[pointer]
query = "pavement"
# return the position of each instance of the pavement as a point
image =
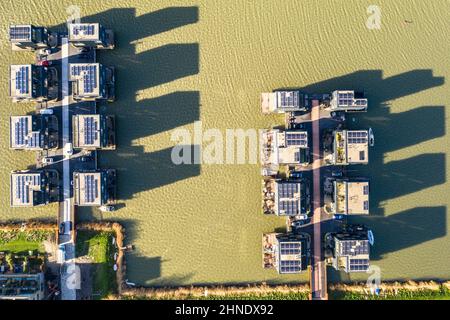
(318, 268)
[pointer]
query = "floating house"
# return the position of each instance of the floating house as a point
(348, 101)
(285, 147)
(22, 286)
(350, 147)
(286, 253)
(28, 37)
(90, 35)
(28, 83)
(93, 131)
(351, 249)
(92, 81)
(283, 101)
(286, 197)
(350, 197)
(33, 188)
(33, 132)
(94, 188)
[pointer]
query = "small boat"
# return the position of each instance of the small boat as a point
(371, 138)
(131, 284)
(370, 237)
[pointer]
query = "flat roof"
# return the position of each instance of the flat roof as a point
(88, 188)
(86, 130)
(352, 197)
(346, 99)
(352, 146)
(23, 186)
(87, 77)
(352, 255)
(84, 32)
(22, 135)
(280, 101)
(20, 81)
(283, 147)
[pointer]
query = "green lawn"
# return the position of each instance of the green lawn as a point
(98, 246)
(22, 242)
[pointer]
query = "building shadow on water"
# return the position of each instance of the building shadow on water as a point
(140, 170)
(390, 179)
(393, 131)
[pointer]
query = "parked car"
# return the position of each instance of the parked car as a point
(336, 173)
(296, 174)
(46, 111)
(47, 160)
(68, 149)
(107, 208)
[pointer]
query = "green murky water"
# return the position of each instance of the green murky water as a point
(182, 61)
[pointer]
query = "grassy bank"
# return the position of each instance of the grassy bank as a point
(403, 294)
(268, 296)
(98, 247)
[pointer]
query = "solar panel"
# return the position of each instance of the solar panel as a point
(354, 247)
(297, 139)
(90, 130)
(359, 264)
(22, 76)
(290, 266)
(21, 130)
(289, 98)
(366, 205)
(366, 190)
(84, 29)
(23, 185)
(290, 248)
(89, 76)
(20, 33)
(357, 137)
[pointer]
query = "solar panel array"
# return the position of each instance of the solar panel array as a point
(290, 266)
(289, 98)
(287, 202)
(22, 76)
(354, 247)
(20, 33)
(356, 137)
(21, 131)
(359, 264)
(297, 139)
(23, 184)
(90, 188)
(360, 102)
(22, 137)
(290, 248)
(90, 130)
(345, 99)
(89, 73)
(84, 29)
